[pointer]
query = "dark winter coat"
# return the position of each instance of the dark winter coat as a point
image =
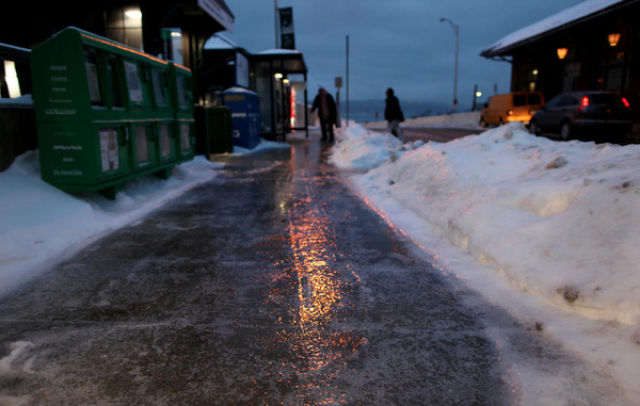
(392, 109)
(332, 114)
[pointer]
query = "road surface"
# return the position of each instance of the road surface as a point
(436, 134)
(432, 134)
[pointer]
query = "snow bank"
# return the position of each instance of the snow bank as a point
(40, 224)
(467, 120)
(363, 150)
(558, 220)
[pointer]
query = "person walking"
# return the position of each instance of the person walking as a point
(393, 114)
(327, 114)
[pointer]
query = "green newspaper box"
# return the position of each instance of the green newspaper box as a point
(105, 113)
(182, 97)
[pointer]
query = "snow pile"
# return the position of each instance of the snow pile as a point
(40, 224)
(363, 150)
(558, 220)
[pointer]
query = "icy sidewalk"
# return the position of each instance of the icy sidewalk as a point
(557, 220)
(40, 225)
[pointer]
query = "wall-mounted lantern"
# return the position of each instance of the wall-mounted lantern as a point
(562, 53)
(614, 38)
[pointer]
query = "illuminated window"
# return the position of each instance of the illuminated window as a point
(124, 24)
(11, 78)
(562, 53)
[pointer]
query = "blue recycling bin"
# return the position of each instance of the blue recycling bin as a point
(245, 116)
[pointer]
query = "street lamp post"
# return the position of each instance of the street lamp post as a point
(275, 14)
(456, 29)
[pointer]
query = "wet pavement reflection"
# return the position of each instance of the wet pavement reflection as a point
(272, 285)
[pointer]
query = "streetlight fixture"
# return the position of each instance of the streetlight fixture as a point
(456, 29)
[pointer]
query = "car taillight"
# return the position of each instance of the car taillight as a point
(584, 103)
(625, 102)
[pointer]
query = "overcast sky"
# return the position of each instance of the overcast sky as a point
(398, 43)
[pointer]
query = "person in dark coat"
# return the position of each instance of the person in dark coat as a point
(393, 114)
(327, 113)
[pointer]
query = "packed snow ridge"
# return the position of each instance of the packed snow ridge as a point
(557, 219)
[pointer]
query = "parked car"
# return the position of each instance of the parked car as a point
(510, 107)
(590, 114)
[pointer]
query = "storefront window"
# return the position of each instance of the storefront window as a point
(11, 79)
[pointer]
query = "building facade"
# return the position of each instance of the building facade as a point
(594, 45)
(175, 30)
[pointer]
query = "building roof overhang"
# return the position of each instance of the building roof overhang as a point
(578, 14)
(292, 60)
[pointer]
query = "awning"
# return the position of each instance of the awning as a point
(292, 60)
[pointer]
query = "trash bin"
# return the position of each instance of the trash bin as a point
(106, 113)
(215, 135)
(245, 116)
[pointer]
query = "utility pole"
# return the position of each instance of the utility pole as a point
(456, 30)
(347, 81)
(475, 97)
(338, 83)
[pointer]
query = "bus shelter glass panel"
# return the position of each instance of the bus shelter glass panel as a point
(278, 97)
(297, 101)
(263, 89)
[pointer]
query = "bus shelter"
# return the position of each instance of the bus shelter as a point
(279, 77)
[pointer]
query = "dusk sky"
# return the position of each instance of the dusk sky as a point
(398, 43)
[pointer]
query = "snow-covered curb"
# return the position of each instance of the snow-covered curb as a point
(559, 220)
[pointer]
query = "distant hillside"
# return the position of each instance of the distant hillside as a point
(364, 111)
